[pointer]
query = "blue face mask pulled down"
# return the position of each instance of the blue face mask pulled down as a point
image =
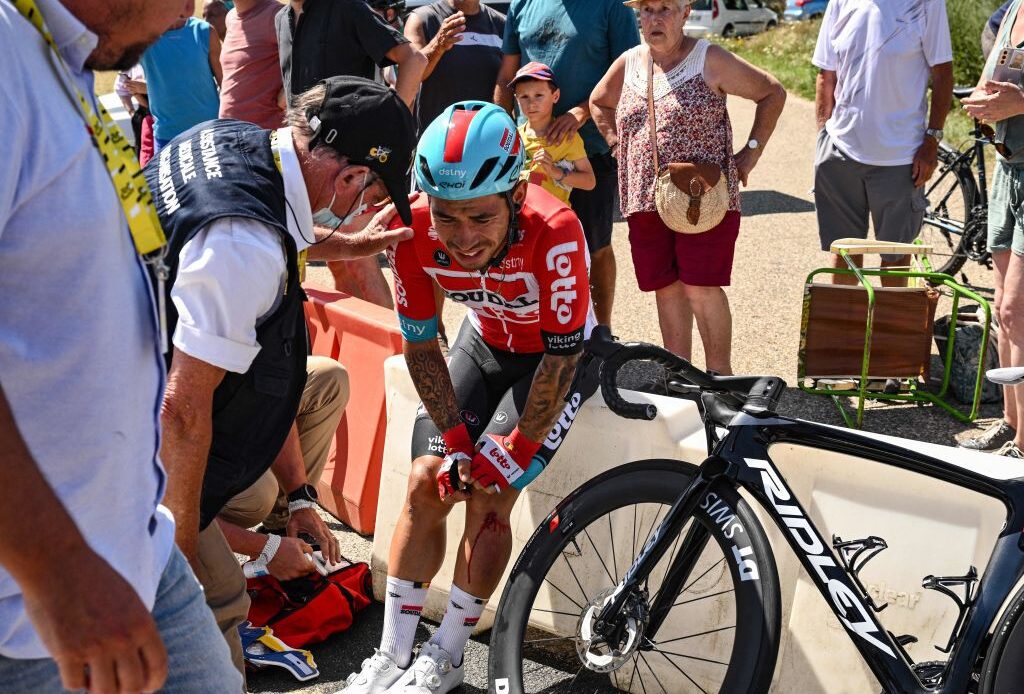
(324, 217)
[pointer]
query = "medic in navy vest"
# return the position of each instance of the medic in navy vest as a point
(226, 168)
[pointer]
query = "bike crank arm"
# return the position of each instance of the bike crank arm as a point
(660, 542)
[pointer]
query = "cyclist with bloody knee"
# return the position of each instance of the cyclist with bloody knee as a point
(516, 257)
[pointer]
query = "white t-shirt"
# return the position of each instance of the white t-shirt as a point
(232, 273)
(882, 52)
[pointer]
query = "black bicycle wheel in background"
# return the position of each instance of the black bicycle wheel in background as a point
(1003, 671)
(721, 633)
(948, 227)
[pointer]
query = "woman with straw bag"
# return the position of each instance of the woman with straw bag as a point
(681, 198)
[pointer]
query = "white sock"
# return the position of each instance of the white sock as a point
(460, 619)
(402, 608)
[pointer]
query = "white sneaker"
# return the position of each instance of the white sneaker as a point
(431, 673)
(379, 672)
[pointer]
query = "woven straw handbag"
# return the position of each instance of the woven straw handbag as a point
(691, 197)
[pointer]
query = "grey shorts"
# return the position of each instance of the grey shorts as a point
(1005, 213)
(847, 193)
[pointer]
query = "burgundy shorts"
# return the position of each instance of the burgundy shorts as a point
(662, 256)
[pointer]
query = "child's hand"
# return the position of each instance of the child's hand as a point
(543, 160)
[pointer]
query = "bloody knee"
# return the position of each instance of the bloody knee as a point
(423, 501)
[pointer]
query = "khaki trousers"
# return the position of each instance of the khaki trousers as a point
(320, 409)
(224, 584)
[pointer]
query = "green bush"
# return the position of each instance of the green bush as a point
(967, 18)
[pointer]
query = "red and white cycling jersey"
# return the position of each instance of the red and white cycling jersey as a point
(537, 300)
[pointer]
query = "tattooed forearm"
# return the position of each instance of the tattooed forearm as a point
(433, 382)
(546, 401)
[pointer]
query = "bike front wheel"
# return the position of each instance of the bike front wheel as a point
(721, 630)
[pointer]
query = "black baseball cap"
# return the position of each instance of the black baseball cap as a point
(369, 124)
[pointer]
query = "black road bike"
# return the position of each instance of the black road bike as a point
(656, 576)
(956, 220)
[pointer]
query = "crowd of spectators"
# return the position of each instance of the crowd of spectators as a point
(595, 105)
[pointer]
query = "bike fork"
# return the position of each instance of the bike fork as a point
(659, 543)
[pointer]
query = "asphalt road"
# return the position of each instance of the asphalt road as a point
(777, 248)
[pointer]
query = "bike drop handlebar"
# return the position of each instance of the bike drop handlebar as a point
(756, 395)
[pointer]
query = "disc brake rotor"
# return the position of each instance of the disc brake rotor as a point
(595, 653)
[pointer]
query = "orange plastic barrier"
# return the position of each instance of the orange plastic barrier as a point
(361, 336)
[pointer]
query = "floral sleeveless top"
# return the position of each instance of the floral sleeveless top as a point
(692, 120)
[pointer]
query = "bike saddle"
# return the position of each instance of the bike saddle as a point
(1009, 376)
(962, 92)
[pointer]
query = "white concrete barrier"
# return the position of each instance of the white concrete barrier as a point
(931, 528)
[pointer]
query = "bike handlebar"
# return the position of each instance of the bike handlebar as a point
(754, 394)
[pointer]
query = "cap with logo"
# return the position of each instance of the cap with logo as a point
(534, 71)
(370, 125)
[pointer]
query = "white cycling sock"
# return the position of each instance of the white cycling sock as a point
(460, 619)
(402, 608)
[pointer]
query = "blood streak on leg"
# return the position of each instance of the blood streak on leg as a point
(493, 524)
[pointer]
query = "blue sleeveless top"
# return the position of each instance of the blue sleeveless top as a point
(182, 90)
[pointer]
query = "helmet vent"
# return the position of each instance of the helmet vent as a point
(425, 171)
(509, 163)
(484, 173)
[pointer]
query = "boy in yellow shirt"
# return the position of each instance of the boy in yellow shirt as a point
(558, 167)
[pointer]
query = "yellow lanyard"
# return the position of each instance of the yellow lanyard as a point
(123, 167)
(274, 147)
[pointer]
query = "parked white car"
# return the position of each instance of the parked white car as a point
(729, 18)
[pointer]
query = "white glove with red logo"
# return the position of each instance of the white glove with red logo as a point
(460, 447)
(502, 461)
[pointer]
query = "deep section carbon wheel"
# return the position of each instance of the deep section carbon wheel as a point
(721, 627)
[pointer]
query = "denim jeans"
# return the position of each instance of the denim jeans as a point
(198, 658)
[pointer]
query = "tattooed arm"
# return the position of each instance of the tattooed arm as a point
(547, 393)
(433, 382)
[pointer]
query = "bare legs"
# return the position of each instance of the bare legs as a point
(1010, 307)
(602, 283)
(418, 544)
(678, 305)
(363, 279)
(901, 262)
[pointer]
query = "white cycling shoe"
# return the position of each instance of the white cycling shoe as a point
(431, 673)
(378, 673)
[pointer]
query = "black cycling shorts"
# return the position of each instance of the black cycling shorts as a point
(491, 388)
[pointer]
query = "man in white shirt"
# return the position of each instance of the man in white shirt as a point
(241, 206)
(877, 142)
(92, 592)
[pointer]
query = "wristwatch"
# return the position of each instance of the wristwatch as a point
(753, 144)
(306, 492)
(935, 133)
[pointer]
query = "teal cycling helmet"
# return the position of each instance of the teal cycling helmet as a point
(472, 149)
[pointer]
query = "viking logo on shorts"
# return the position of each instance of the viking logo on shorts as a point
(469, 418)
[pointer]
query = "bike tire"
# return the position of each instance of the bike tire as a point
(951, 247)
(1003, 670)
(755, 646)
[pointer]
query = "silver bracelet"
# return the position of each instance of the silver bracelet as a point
(270, 549)
(300, 504)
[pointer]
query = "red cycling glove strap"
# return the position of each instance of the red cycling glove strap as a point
(521, 447)
(457, 440)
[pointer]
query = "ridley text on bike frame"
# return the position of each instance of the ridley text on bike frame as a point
(741, 459)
